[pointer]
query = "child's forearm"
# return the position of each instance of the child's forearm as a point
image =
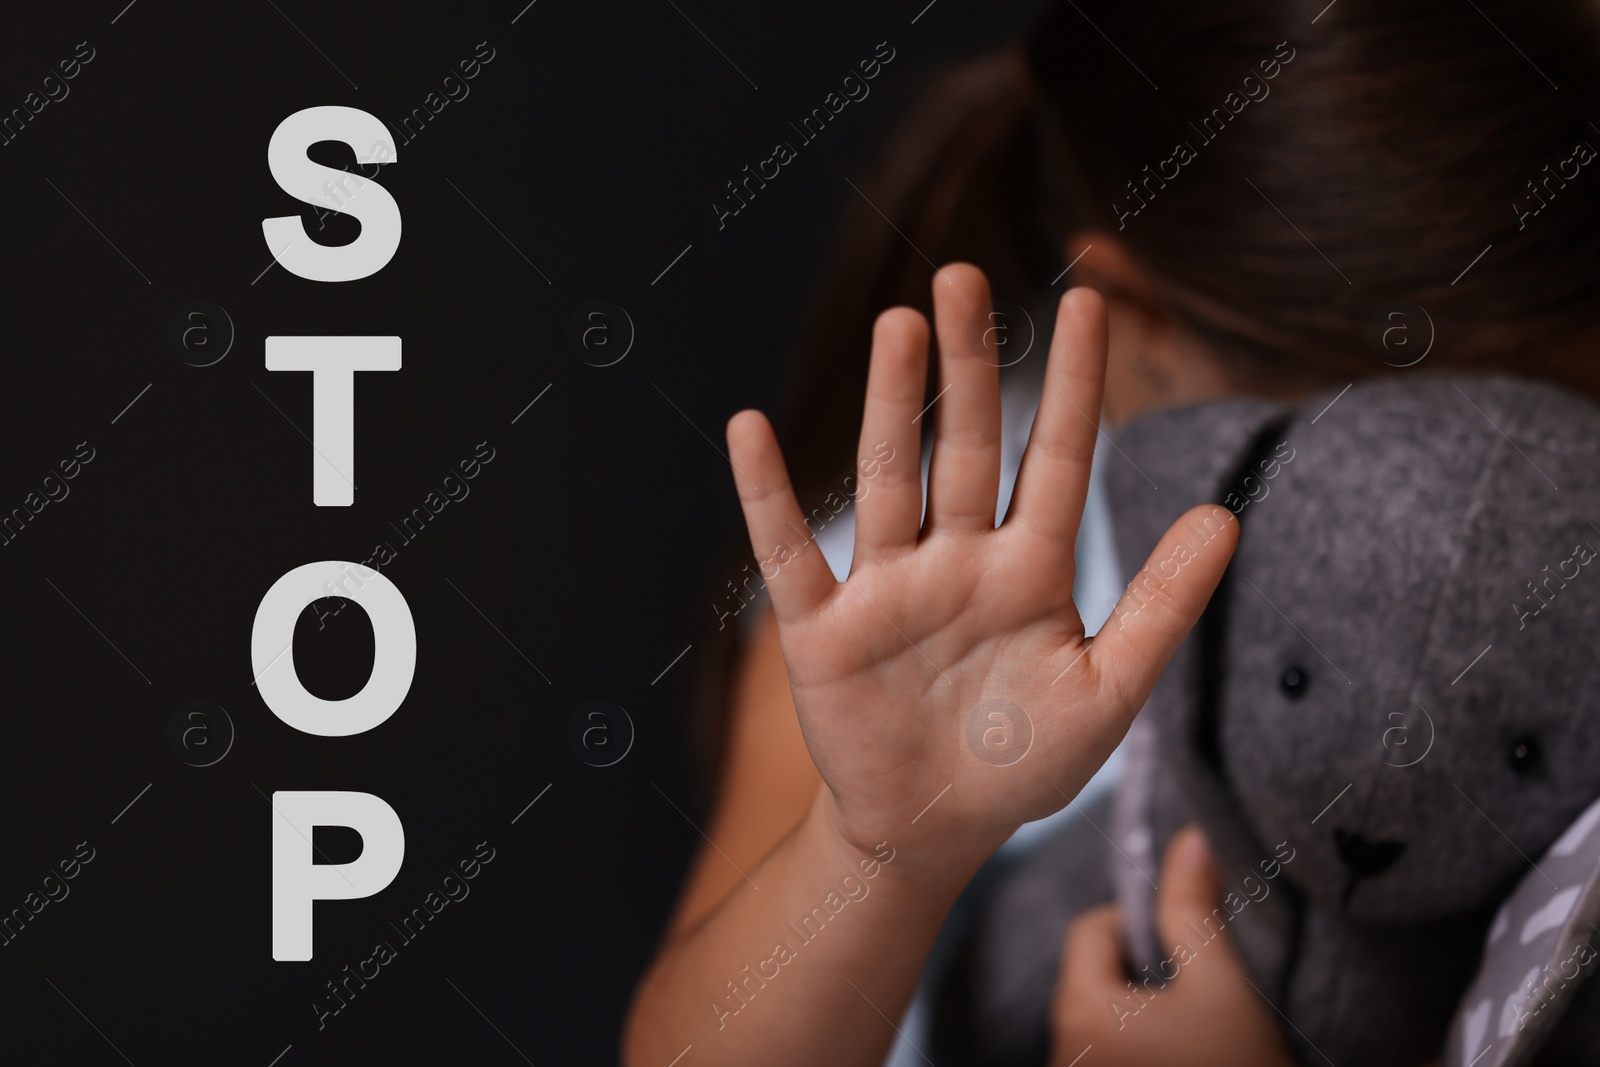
(811, 960)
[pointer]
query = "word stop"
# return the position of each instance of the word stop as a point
(297, 880)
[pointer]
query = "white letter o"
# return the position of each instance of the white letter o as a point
(394, 656)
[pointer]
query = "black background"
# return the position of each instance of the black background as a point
(594, 142)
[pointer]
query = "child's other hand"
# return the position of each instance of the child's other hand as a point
(1208, 1015)
(893, 671)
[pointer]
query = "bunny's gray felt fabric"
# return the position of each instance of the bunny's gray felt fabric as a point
(1392, 702)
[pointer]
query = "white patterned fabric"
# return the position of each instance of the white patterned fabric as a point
(1540, 950)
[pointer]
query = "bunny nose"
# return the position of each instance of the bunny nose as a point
(1364, 858)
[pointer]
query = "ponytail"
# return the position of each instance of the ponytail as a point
(959, 179)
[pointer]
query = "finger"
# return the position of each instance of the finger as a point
(1162, 603)
(1189, 889)
(889, 460)
(1054, 478)
(791, 563)
(1092, 963)
(964, 480)
(1193, 922)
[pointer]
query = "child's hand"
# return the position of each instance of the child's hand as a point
(894, 670)
(1209, 1014)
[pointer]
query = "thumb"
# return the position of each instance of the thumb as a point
(1164, 601)
(1189, 892)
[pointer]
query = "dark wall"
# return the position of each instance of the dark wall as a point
(583, 161)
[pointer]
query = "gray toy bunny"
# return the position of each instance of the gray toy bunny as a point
(1385, 723)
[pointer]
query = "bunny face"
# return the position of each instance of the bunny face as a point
(1395, 699)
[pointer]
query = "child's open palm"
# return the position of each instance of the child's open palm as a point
(948, 680)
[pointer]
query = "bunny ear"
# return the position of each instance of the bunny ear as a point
(1168, 462)
(1539, 958)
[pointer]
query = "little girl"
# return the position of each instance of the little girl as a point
(1254, 198)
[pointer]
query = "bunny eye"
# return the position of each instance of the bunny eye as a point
(1527, 756)
(1294, 682)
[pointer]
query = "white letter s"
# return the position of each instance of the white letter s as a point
(300, 177)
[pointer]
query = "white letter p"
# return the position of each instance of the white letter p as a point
(297, 880)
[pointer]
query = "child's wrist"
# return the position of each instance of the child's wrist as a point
(931, 869)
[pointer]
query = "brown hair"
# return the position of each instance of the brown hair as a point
(1340, 158)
